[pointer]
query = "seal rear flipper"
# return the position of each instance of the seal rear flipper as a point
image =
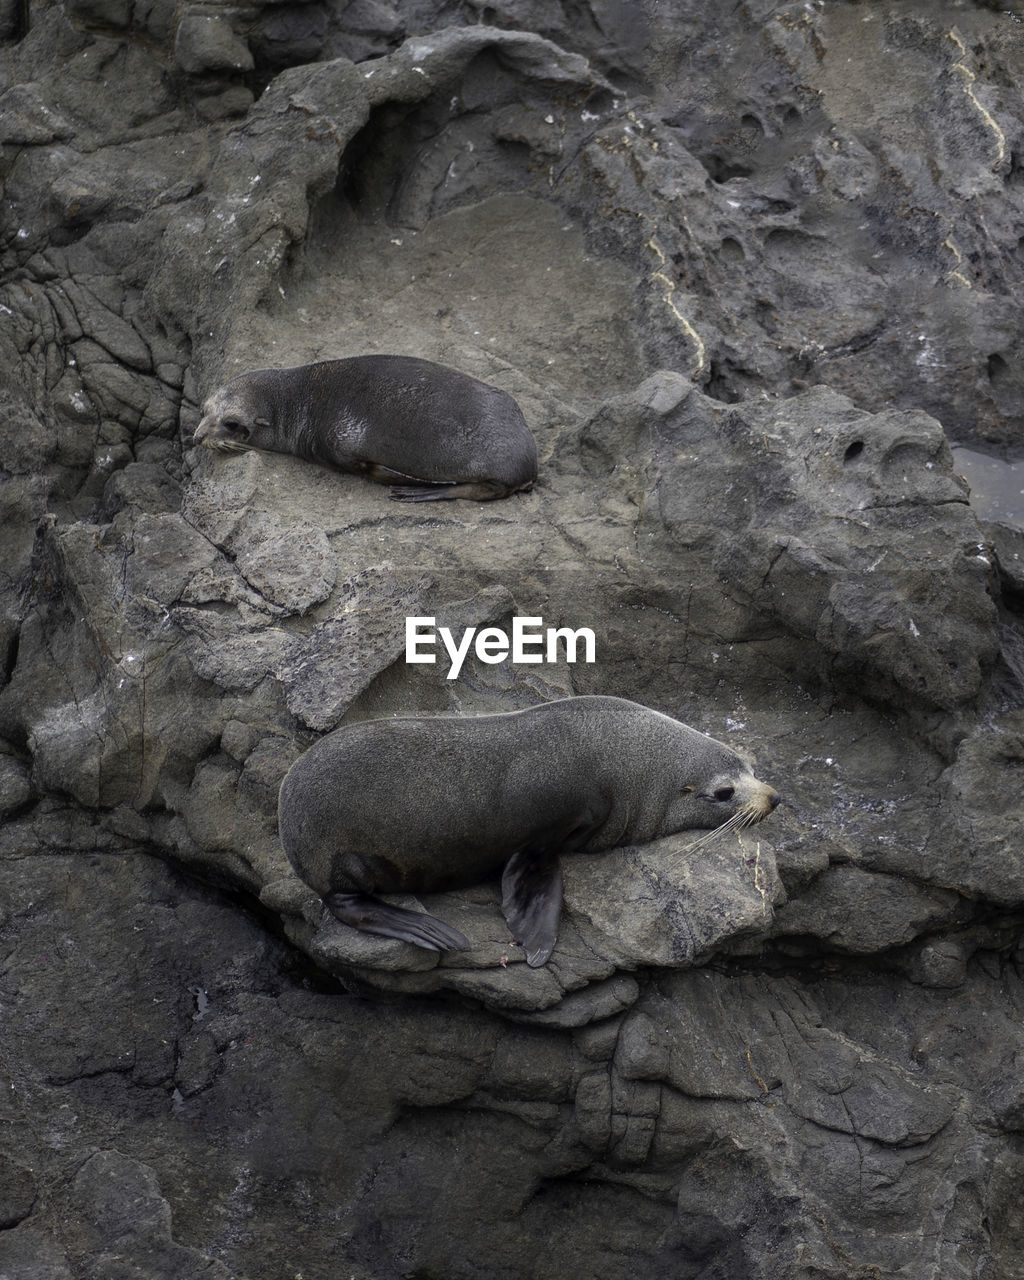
(531, 900)
(440, 492)
(445, 490)
(373, 916)
(477, 490)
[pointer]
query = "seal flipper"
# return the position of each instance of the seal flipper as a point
(440, 492)
(407, 488)
(370, 915)
(381, 474)
(531, 899)
(446, 490)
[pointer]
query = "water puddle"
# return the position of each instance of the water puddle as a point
(997, 487)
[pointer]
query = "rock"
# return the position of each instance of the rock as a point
(18, 1192)
(124, 1222)
(15, 787)
(29, 1253)
(857, 493)
(861, 911)
(287, 36)
(293, 567)
(207, 42)
(980, 785)
(939, 963)
(744, 272)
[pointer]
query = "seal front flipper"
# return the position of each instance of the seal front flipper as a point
(373, 916)
(531, 900)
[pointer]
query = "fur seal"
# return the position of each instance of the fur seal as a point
(427, 430)
(431, 803)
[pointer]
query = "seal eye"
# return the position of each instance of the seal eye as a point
(725, 793)
(234, 426)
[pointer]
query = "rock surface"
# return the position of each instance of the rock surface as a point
(748, 274)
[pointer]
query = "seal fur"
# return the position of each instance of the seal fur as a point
(425, 804)
(431, 432)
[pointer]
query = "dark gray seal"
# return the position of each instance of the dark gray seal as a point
(429, 431)
(427, 804)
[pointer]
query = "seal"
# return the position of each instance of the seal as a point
(425, 804)
(429, 431)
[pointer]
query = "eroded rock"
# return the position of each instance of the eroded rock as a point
(736, 310)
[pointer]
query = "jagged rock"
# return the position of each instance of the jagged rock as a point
(206, 42)
(845, 527)
(741, 290)
(982, 785)
(15, 787)
(120, 1223)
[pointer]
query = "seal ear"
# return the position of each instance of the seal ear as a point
(688, 791)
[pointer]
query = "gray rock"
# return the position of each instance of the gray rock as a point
(15, 786)
(206, 41)
(862, 911)
(744, 271)
(124, 1224)
(288, 35)
(30, 1254)
(981, 785)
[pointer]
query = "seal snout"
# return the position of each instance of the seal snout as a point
(761, 803)
(206, 425)
(223, 431)
(764, 804)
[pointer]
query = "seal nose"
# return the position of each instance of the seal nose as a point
(201, 432)
(773, 799)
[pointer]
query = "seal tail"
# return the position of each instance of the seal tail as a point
(369, 914)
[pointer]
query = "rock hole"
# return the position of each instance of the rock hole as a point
(853, 450)
(721, 385)
(731, 250)
(997, 367)
(721, 171)
(750, 135)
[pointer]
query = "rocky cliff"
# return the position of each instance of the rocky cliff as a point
(749, 275)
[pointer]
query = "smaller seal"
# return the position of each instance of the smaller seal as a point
(430, 432)
(425, 804)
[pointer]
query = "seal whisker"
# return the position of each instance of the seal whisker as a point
(227, 446)
(736, 821)
(748, 816)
